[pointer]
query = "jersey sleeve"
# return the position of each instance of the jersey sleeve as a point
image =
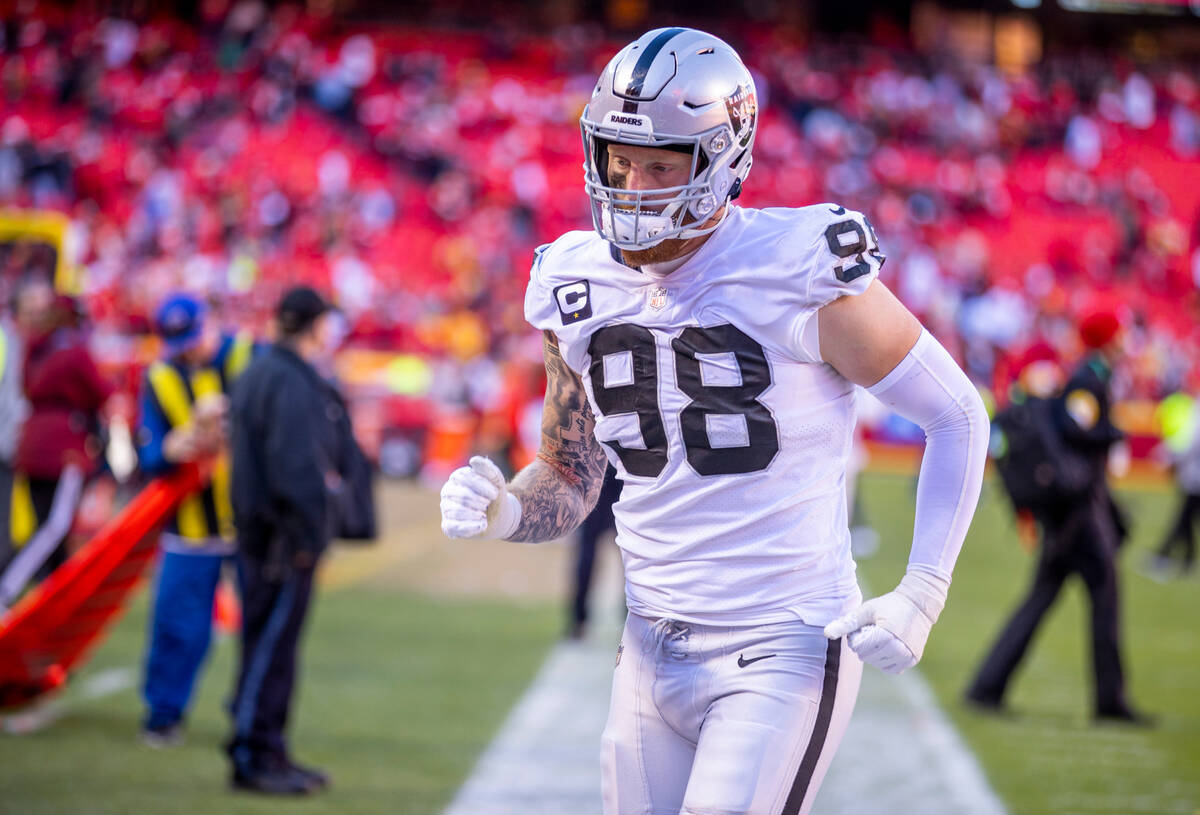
(846, 259)
(842, 259)
(540, 309)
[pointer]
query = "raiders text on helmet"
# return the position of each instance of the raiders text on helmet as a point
(675, 88)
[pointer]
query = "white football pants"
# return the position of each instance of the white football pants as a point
(709, 720)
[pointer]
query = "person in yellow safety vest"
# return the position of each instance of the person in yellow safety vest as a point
(183, 407)
(1179, 420)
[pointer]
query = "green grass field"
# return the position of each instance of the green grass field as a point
(1047, 757)
(401, 691)
(399, 695)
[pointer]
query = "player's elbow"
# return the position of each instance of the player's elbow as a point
(591, 497)
(965, 417)
(979, 425)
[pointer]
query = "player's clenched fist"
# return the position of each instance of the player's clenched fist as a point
(890, 631)
(476, 502)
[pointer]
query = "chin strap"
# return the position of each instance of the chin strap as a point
(707, 230)
(686, 234)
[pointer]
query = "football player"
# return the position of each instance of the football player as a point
(710, 353)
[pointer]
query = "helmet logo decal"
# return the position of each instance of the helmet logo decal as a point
(628, 122)
(743, 109)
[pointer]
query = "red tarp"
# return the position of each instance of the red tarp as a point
(53, 628)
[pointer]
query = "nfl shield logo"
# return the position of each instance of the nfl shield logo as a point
(658, 298)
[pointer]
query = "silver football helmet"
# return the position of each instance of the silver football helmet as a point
(681, 89)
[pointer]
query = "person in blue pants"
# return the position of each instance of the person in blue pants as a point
(183, 407)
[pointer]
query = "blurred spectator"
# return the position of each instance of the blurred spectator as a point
(60, 445)
(183, 413)
(1033, 371)
(1184, 443)
(412, 173)
(32, 299)
(1079, 536)
(1083, 142)
(291, 438)
(12, 416)
(598, 523)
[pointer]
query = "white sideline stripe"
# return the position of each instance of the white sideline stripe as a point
(546, 758)
(960, 770)
(900, 753)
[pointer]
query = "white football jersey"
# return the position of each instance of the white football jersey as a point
(712, 402)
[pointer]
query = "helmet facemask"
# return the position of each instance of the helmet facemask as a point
(633, 220)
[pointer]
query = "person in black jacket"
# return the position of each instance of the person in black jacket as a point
(290, 434)
(1080, 536)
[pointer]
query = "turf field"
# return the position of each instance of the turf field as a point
(418, 647)
(400, 694)
(1046, 757)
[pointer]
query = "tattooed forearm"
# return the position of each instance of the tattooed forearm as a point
(550, 507)
(559, 489)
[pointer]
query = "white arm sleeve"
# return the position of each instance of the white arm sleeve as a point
(929, 388)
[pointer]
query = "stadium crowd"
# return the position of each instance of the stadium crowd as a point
(411, 172)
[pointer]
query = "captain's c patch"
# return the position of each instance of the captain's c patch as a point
(574, 301)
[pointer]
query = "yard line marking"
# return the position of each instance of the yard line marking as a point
(545, 759)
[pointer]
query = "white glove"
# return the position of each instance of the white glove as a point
(476, 502)
(890, 631)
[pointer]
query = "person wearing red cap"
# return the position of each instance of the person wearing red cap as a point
(1034, 370)
(1098, 329)
(1079, 537)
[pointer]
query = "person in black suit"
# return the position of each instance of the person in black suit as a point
(1079, 537)
(290, 437)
